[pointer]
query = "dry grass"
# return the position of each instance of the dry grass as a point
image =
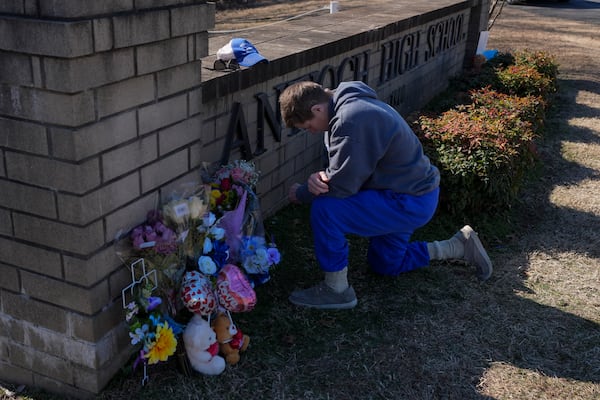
(531, 332)
(263, 12)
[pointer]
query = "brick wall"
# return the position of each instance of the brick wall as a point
(85, 89)
(106, 107)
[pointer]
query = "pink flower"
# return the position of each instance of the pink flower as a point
(237, 174)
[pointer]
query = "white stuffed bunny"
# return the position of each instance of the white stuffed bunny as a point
(202, 347)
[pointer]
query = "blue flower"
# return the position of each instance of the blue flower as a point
(139, 334)
(220, 253)
(155, 319)
(207, 266)
(177, 328)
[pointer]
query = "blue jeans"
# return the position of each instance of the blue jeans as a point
(387, 218)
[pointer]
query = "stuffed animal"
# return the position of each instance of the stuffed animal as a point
(202, 347)
(230, 338)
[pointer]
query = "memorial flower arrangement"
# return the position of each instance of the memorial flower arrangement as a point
(149, 330)
(229, 184)
(206, 249)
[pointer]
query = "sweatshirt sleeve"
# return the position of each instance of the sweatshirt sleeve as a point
(303, 195)
(352, 157)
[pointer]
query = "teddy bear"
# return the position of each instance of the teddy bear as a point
(202, 348)
(230, 338)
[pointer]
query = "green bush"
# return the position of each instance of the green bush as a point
(543, 62)
(525, 80)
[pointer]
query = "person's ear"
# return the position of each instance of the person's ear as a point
(317, 109)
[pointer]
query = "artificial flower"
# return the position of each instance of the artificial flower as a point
(163, 346)
(209, 219)
(217, 233)
(207, 246)
(197, 207)
(133, 310)
(220, 254)
(139, 334)
(206, 265)
(258, 257)
(273, 255)
(153, 302)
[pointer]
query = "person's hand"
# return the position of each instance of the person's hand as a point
(317, 183)
(292, 193)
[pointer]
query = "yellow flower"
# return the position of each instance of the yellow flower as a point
(214, 195)
(164, 344)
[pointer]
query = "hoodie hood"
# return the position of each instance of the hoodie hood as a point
(352, 91)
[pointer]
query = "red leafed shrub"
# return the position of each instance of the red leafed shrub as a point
(525, 80)
(483, 154)
(484, 148)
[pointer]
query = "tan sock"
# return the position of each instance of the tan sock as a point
(451, 249)
(338, 280)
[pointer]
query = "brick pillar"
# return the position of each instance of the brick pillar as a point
(480, 10)
(96, 100)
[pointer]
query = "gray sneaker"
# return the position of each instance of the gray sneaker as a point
(323, 297)
(475, 254)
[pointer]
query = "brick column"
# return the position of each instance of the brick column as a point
(480, 10)
(97, 99)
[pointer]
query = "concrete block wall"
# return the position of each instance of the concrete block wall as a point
(307, 53)
(107, 107)
(97, 105)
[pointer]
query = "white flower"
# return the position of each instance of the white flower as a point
(207, 265)
(262, 257)
(197, 207)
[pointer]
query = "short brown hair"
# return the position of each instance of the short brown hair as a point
(296, 101)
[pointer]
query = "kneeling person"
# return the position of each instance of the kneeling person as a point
(378, 184)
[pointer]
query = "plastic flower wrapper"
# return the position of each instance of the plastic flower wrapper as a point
(231, 222)
(156, 243)
(185, 211)
(228, 183)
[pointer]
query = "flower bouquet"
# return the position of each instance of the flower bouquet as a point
(206, 249)
(152, 332)
(156, 243)
(242, 220)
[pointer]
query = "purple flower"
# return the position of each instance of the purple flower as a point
(153, 217)
(153, 302)
(137, 242)
(273, 255)
(149, 234)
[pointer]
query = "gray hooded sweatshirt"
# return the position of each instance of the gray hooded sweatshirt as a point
(370, 146)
